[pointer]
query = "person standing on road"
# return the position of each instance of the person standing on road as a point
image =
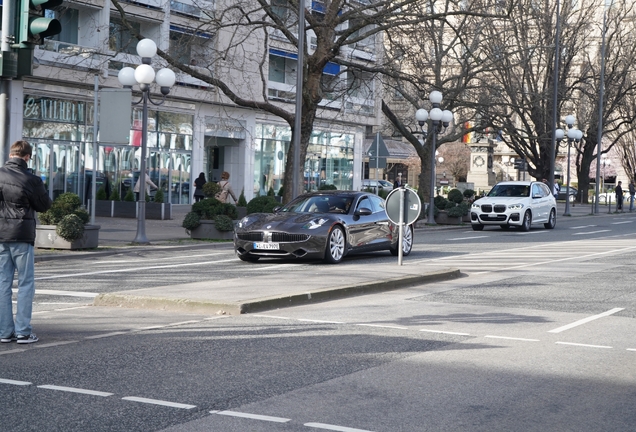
(21, 195)
(198, 188)
(619, 197)
(632, 193)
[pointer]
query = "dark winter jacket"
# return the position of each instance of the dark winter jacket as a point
(21, 195)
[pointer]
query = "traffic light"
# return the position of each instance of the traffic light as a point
(32, 24)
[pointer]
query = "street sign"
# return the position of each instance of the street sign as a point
(378, 148)
(412, 206)
(381, 162)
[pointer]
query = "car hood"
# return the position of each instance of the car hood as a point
(500, 200)
(281, 221)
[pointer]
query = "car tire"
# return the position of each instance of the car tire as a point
(527, 222)
(248, 258)
(335, 247)
(407, 242)
(478, 227)
(505, 226)
(551, 223)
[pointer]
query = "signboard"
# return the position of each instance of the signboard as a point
(378, 148)
(381, 162)
(412, 206)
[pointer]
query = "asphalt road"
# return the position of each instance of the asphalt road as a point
(538, 335)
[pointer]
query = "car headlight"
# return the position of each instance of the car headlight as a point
(515, 206)
(244, 222)
(475, 206)
(315, 223)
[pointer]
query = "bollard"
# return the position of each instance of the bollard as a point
(609, 203)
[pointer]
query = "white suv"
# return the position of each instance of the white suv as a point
(515, 203)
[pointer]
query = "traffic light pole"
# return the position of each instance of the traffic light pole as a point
(7, 15)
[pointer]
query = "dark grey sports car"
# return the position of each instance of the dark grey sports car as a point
(326, 225)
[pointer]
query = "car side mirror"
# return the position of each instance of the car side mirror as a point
(363, 211)
(537, 195)
(277, 209)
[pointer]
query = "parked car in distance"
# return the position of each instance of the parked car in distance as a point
(373, 184)
(563, 192)
(515, 203)
(325, 225)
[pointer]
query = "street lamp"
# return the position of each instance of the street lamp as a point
(144, 75)
(440, 121)
(573, 134)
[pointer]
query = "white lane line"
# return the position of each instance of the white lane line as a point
(53, 344)
(76, 390)
(320, 321)
(512, 338)
(63, 293)
(585, 320)
(631, 349)
(531, 232)
(13, 351)
(334, 427)
(624, 222)
(583, 226)
(467, 238)
(591, 232)
(583, 345)
(60, 310)
(13, 382)
(158, 402)
(384, 326)
(445, 332)
(271, 316)
(134, 269)
(99, 336)
(251, 416)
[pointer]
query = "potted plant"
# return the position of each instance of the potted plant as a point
(451, 211)
(241, 205)
(114, 207)
(210, 219)
(65, 226)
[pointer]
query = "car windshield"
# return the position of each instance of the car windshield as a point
(319, 204)
(510, 190)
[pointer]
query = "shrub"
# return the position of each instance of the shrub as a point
(270, 192)
(191, 221)
(70, 228)
(281, 191)
(468, 193)
(159, 196)
(101, 194)
(208, 208)
(263, 204)
(242, 202)
(130, 196)
(383, 193)
(328, 187)
(64, 205)
(449, 205)
(114, 195)
(210, 189)
(455, 196)
(440, 202)
(147, 198)
(223, 223)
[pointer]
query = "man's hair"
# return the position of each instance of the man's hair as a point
(21, 149)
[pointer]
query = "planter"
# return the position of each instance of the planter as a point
(128, 209)
(207, 231)
(242, 212)
(443, 218)
(47, 238)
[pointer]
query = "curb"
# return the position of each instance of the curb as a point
(268, 303)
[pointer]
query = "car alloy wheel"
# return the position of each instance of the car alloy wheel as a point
(551, 223)
(527, 221)
(335, 246)
(407, 242)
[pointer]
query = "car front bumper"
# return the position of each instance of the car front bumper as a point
(508, 218)
(288, 245)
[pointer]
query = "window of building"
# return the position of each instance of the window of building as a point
(360, 84)
(282, 69)
(120, 39)
(69, 18)
(279, 8)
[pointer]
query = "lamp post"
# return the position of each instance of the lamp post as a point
(573, 134)
(144, 75)
(440, 121)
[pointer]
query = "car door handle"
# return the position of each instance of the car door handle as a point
(382, 223)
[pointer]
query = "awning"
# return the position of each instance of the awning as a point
(329, 69)
(189, 32)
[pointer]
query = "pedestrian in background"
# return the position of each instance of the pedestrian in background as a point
(619, 197)
(149, 185)
(198, 188)
(398, 182)
(226, 189)
(632, 192)
(21, 195)
(556, 189)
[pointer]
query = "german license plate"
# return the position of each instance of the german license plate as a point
(268, 246)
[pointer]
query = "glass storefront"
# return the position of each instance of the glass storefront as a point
(61, 133)
(329, 159)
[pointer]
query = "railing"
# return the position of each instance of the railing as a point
(67, 48)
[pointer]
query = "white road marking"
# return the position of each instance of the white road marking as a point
(624, 222)
(445, 332)
(591, 232)
(334, 427)
(583, 226)
(512, 338)
(532, 232)
(134, 269)
(583, 345)
(158, 402)
(631, 349)
(320, 321)
(76, 390)
(251, 416)
(585, 320)
(468, 238)
(383, 326)
(271, 316)
(13, 382)
(60, 310)
(13, 351)
(99, 336)
(63, 293)
(53, 344)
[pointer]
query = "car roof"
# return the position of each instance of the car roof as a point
(345, 193)
(520, 183)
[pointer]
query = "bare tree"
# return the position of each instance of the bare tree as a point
(456, 160)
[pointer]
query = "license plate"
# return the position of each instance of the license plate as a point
(266, 246)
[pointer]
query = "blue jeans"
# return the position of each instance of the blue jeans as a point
(16, 255)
